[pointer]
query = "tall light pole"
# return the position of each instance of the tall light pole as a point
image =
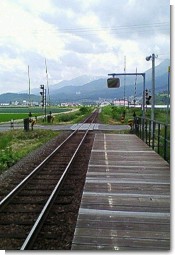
(152, 57)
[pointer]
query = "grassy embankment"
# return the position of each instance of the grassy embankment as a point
(69, 117)
(15, 144)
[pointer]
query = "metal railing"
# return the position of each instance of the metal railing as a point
(155, 134)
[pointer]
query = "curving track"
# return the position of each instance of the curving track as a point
(40, 212)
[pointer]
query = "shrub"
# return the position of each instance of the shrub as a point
(85, 109)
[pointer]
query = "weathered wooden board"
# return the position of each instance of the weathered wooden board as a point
(126, 198)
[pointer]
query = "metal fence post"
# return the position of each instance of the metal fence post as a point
(154, 138)
(153, 134)
(165, 143)
(158, 139)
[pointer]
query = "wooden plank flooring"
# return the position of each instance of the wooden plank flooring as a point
(126, 198)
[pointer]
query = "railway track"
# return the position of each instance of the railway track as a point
(39, 213)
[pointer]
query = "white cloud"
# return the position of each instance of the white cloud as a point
(78, 37)
(21, 29)
(37, 7)
(10, 64)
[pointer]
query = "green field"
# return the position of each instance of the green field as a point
(16, 113)
(4, 117)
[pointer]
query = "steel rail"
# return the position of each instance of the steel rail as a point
(42, 216)
(14, 192)
(5, 201)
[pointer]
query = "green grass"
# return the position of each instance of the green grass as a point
(16, 144)
(159, 115)
(112, 114)
(5, 117)
(71, 117)
(16, 113)
(33, 110)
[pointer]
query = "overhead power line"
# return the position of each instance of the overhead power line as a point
(140, 26)
(112, 29)
(121, 30)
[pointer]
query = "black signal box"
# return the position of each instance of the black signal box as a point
(113, 82)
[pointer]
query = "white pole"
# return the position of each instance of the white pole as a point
(29, 86)
(47, 83)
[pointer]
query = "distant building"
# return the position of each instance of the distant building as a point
(69, 104)
(120, 102)
(4, 104)
(104, 104)
(15, 103)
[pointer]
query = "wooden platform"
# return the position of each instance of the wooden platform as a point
(126, 198)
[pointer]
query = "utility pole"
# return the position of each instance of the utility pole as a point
(153, 87)
(124, 77)
(152, 57)
(168, 95)
(135, 89)
(47, 79)
(29, 86)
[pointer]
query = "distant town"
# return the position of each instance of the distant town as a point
(101, 101)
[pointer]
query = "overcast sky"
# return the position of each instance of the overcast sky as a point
(78, 37)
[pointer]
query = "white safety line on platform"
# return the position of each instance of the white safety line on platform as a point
(124, 213)
(137, 195)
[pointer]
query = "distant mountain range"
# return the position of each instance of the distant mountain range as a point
(88, 89)
(78, 81)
